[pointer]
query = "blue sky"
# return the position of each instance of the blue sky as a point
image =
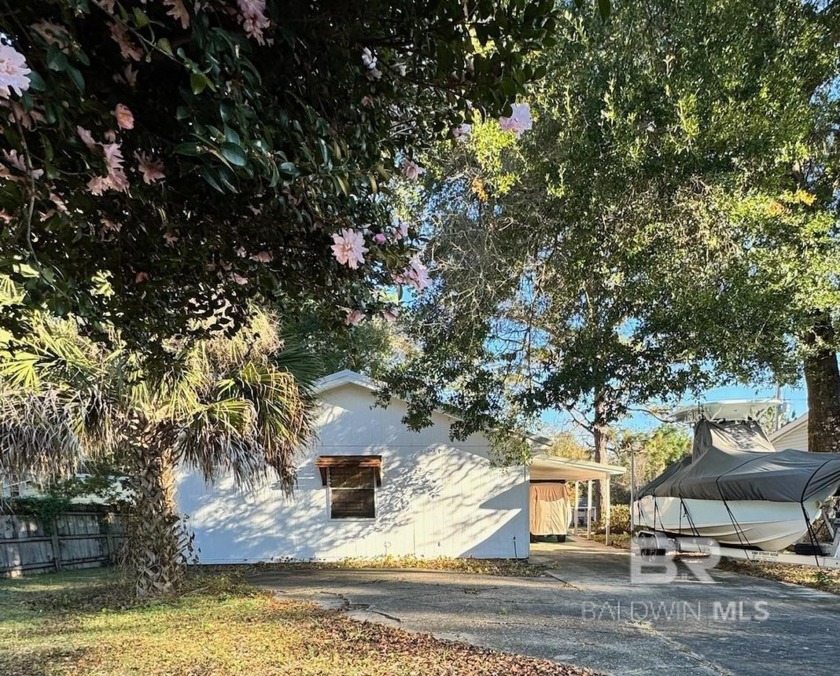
(794, 396)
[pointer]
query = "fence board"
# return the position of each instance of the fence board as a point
(85, 537)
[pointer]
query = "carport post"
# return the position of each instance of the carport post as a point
(589, 509)
(577, 505)
(605, 483)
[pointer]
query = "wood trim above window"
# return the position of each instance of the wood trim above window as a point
(324, 462)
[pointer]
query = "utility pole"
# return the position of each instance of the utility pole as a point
(632, 483)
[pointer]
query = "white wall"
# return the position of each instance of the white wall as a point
(793, 435)
(437, 498)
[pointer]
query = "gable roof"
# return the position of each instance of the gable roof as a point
(345, 377)
(790, 427)
(348, 377)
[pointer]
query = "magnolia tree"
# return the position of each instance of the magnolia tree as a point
(165, 161)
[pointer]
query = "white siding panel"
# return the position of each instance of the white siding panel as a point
(438, 498)
(795, 438)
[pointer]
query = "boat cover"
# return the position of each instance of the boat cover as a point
(735, 461)
(550, 511)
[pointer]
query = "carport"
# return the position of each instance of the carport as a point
(550, 468)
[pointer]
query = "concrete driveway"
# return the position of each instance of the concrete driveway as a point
(586, 612)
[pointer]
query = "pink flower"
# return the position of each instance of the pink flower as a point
(402, 230)
(128, 49)
(367, 101)
(28, 119)
(152, 169)
(390, 315)
(519, 120)
(130, 74)
(116, 178)
(369, 62)
(178, 11)
(263, 257)
(109, 226)
(354, 317)
(462, 131)
(53, 34)
(6, 218)
(379, 238)
(254, 20)
(141, 277)
(86, 136)
(349, 248)
(59, 203)
(241, 252)
(13, 72)
(14, 159)
(368, 59)
(239, 279)
(98, 185)
(170, 238)
(125, 118)
(416, 274)
(412, 170)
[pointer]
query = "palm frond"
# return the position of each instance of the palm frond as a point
(38, 438)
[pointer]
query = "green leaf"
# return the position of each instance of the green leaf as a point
(198, 82)
(234, 154)
(604, 8)
(289, 169)
(140, 19)
(164, 45)
(56, 59)
(37, 82)
(231, 136)
(77, 78)
(189, 148)
(209, 175)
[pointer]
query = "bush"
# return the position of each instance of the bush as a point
(619, 520)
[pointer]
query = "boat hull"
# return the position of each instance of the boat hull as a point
(770, 526)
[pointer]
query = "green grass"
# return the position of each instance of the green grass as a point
(85, 623)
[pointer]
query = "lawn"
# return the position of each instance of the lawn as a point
(84, 623)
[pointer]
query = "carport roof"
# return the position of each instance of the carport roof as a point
(551, 467)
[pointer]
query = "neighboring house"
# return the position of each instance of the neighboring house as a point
(368, 487)
(793, 435)
(17, 489)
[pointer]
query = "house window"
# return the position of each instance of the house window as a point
(352, 493)
(352, 482)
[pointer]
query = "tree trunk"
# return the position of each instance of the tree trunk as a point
(822, 378)
(158, 545)
(599, 434)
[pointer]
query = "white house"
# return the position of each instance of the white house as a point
(369, 487)
(793, 435)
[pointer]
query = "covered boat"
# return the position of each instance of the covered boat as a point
(737, 488)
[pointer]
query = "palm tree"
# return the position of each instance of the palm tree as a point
(238, 405)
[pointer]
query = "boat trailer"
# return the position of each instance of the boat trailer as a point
(808, 552)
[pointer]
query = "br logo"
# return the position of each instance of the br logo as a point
(660, 559)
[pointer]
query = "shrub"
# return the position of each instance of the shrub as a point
(619, 520)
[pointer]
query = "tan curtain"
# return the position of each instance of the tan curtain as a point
(550, 509)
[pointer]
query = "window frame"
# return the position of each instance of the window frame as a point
(330, 502)
(323, 464)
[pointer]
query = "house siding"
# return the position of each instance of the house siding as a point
(796, 437)
(438, 497)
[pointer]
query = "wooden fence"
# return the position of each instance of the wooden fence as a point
(87, 536)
